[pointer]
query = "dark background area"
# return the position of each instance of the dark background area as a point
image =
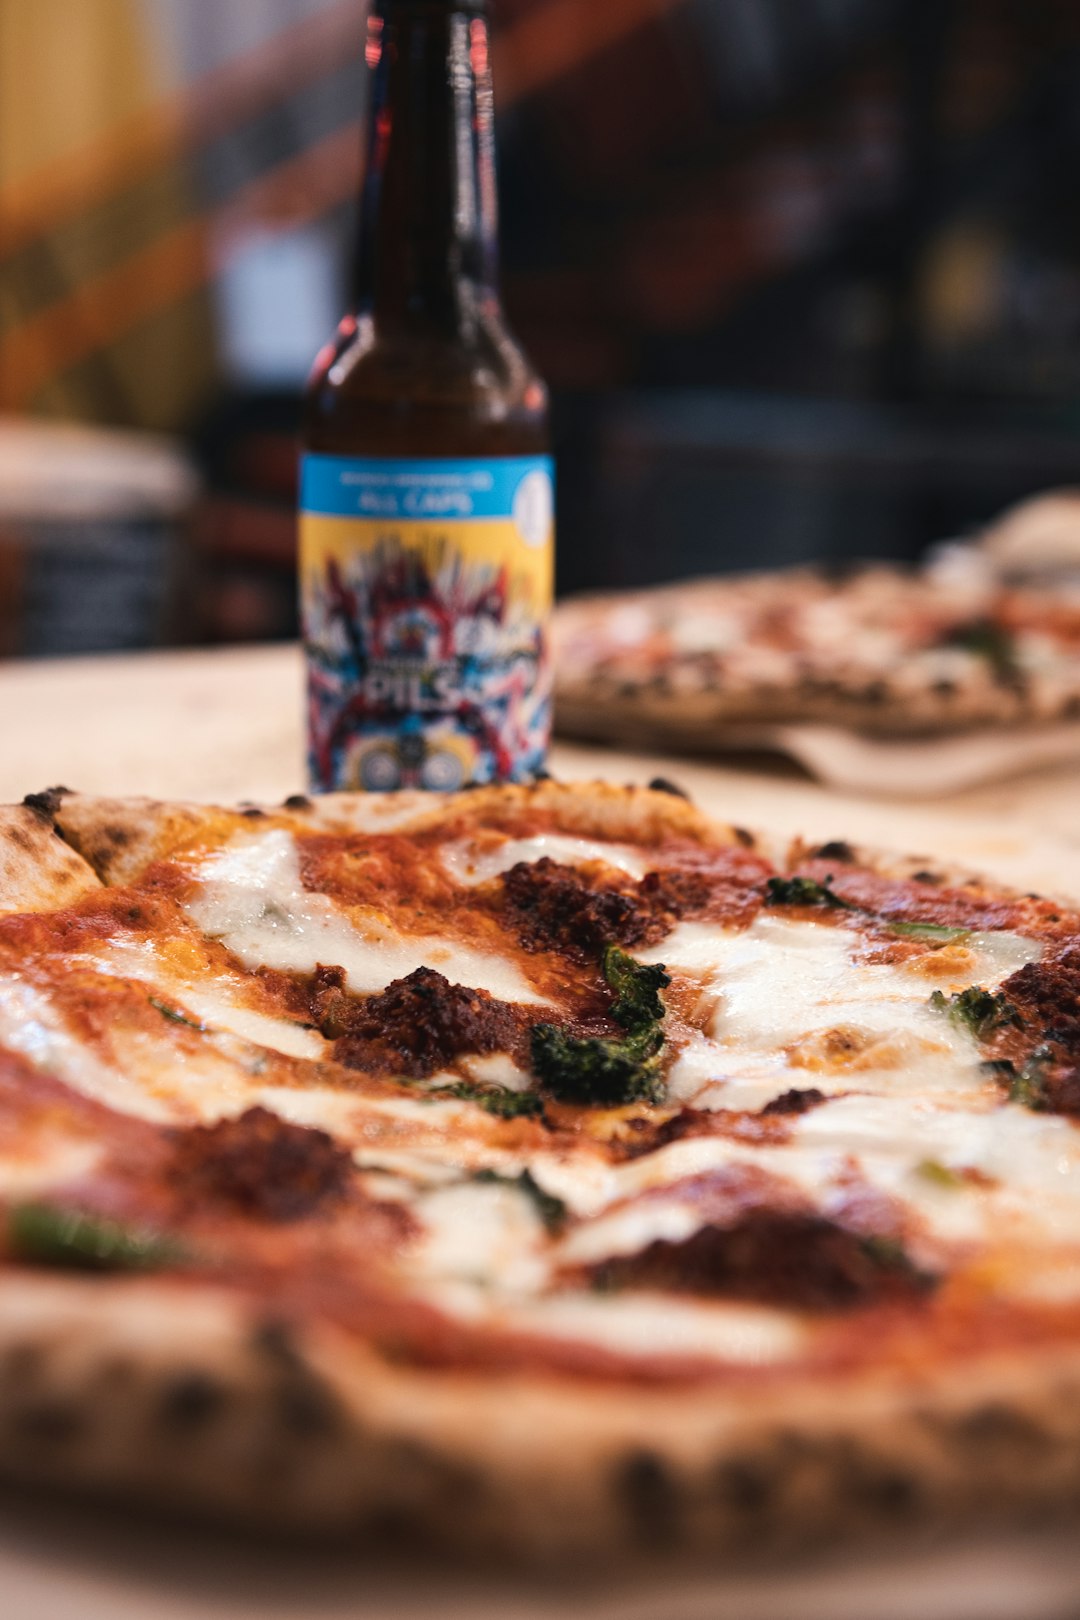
(804, 275)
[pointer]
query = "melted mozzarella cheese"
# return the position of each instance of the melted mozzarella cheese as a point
(32, 1026)
(488, 1232)
(38, 1166)
(780, 983)
(468, 865)
(496, 1069)
(630, 1229)
(251, 897)
(209, 1003)
(636, 1323)
(1031, 1162)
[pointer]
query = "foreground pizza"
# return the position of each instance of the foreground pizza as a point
(537, 1168)
(886, 650)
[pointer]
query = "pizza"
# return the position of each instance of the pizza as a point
(538, 1171)
(887, 651)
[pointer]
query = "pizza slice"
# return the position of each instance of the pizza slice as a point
(887, 651)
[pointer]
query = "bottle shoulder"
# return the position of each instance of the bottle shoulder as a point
(408, 392)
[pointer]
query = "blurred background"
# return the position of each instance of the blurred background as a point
(804, 276)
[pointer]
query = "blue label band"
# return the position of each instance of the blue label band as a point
(347, 486)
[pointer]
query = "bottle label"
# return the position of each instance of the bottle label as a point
(426, 588)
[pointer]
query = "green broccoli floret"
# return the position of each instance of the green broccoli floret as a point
(494, 1099)
(803, 891)
(607, 1073)
(981, 1011)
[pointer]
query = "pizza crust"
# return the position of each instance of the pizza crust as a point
(189, 1400)
(38, 870)
(120, 838)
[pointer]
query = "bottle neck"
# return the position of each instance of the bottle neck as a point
(428, 250)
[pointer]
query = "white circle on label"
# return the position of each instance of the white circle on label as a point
(534, 506)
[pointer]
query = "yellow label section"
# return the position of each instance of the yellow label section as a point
(494, 543)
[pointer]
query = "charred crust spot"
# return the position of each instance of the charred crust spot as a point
(260, 1165)
(663, 784)
(647, 1493)
(275, 1341)
(924, 876)
(297, 801)
(995, 1426)
(116, 835)
(191, 1400)
(795, 1101)
(772, 1257)
(49, 1422)
(20, 838)
(414, 1027)
(746, 1484)
(253, 812)
(887, 1492)
(45, 805)
(837, 849)
(305, 1409)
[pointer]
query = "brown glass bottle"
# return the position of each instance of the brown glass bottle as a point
(430, 375)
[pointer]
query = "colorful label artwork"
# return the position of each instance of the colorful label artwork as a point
(426, 588)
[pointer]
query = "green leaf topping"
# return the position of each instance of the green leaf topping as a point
(493, 1099)
(551, 1210)
(1028, 1084)
(804, 891)
(929, 931)
(637, 1005)
(990, 641)
(608, 1073)
(888, 1254)
(178, 1017)
(49, 1236)
(978, 1010)
(939, 1174)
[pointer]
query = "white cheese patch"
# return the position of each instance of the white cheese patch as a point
(484, 1231)
(496, 1069)
(630, 1229)
(468, 865)
(781, 982)
(147, 1073)
(642, 1324)
(31, 1025)
(1032, 1159)
(207, 1001)
(251, 897)
(38, 1166)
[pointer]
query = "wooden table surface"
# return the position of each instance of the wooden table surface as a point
(227, 726)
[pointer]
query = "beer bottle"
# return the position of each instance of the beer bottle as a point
(426, 536)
